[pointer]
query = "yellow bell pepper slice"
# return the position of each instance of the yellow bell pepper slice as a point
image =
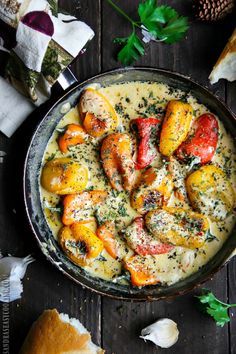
(178, 226)
(210, 192)
(64, 176)
(175, 126)
(80, 243)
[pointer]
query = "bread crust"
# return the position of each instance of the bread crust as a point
(50, 335)
(222, 69)
(229, 48)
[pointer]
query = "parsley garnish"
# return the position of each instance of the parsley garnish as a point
(133, 48)
(51, 157)
(210, 237)
(162, 23)
(214, 307)
(54, 209)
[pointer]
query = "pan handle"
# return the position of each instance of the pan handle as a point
(66, 79)
(232, 254)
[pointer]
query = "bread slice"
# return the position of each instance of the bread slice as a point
(55, 333)
(225, 67)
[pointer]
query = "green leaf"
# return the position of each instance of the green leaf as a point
(161, 14)
(163, 21)
(217, 309)
(175, 30)
(220, 315)
(146, 9)
(132, 50)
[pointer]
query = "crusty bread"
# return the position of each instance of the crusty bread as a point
(55, 333)
(225, 67)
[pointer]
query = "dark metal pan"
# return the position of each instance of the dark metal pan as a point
(34, 209)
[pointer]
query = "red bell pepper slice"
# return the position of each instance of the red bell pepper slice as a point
(147, 129)
(202, 142)
(146, 244)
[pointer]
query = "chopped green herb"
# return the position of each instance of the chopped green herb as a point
(51, 157)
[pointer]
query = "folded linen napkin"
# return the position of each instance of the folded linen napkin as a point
(14, 108)
(47, 42)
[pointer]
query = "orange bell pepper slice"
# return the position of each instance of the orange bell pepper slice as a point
(96, 112)
(73, 135)
(154, 190)
(106, 233)
(118, 164)
(140, 274)
(94, 126)
(80, 207)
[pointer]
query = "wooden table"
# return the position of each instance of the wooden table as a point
(116, 325)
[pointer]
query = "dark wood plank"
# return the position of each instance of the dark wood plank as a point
(122, 322)
(232, 300)
(44, 286)
(88, 64)
(231, 94)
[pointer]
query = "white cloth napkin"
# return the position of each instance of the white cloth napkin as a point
(32, 51)
(72, 36)
(14, 108)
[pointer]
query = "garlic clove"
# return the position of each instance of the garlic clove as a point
(12, 270)
(164, 333)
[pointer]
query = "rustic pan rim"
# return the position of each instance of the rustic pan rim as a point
(131, 297)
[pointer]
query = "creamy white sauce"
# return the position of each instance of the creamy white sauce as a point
(132, 100)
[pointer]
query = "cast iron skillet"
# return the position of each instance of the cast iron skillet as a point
(34, 209)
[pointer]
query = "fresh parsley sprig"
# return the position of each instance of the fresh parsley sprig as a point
(215, 308)
(162, 23)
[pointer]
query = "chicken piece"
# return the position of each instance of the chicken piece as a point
(177, 226)
(81, 207)
(178, 174)
(96, 112)
(153, 191)
(142, 242)
(118, 164)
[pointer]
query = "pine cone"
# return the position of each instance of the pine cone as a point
(213, 10)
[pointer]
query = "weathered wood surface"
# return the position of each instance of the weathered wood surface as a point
(114, 324)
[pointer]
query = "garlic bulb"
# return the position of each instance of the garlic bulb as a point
(163, 333)
(12, 270)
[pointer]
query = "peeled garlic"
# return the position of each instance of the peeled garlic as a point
(163, 333)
